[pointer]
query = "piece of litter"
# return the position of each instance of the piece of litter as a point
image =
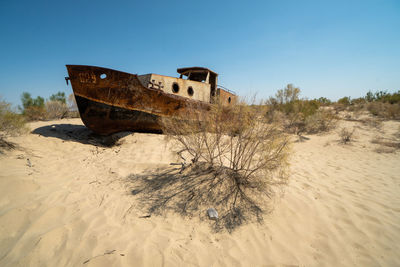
(212, 214)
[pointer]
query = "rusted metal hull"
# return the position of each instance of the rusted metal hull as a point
(111, 101)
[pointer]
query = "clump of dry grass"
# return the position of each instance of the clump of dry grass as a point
(346, 135)
(34, 113)
(233, 161)
(321, 121)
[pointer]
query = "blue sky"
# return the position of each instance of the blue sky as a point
(327, 48)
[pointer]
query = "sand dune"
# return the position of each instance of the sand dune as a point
(65, 201)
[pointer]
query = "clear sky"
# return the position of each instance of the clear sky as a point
(327, 48)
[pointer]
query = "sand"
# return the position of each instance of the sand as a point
(64, 201)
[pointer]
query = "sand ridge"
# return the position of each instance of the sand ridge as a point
(64, 201)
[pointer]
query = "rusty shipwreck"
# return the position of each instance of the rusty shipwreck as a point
(111, 101)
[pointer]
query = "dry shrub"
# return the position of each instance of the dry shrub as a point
(56, 110)
(346, 135)
(356, 108)
(35, 113)
(11, 124)
(393, 111)
(384, 110)
(338, 108)
(321, 121)
(294, 123)
(237, 162)
(275, 116)
(291, 110)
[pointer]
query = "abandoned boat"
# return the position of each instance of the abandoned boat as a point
(111, 101)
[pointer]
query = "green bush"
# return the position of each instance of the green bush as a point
(345, 101)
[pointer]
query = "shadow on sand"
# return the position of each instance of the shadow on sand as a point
(191, 191)
(79, 133)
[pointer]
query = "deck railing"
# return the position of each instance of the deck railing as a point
(226, 89)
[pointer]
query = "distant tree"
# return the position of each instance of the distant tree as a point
(32, 108)
(324, 101)
(370, 96)
(28, 101)
(60, 96)
(288, 94)
(381, 95)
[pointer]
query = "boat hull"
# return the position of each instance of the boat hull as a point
(111, 101)
(107, 119)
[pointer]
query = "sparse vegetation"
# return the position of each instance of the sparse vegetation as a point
(324, 101)
(384, 110)
(55, 107)
(297, 115)
(344, 101)
(33, 108)
(321, 121)
(346, 135)
(11, 124)
(233, 160)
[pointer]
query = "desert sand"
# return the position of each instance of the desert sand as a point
(65, 201)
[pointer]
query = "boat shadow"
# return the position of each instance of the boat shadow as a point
(80, 134)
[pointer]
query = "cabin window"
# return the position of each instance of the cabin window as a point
(175, 88)
(103, 76)
(190, 91)
(229, 99)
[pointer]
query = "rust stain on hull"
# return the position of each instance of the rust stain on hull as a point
(111, 101)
